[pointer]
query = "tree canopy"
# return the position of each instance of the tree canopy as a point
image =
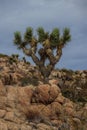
(49, 41)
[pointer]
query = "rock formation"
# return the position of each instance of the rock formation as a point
(32, 105)
(42, 107)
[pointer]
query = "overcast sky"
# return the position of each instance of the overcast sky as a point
(19, 14)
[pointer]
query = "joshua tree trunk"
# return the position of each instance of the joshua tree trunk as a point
(44, 53)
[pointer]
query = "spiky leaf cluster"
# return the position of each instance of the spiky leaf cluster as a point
(17, 38)
(66, 35)
(28, 35)
(54, 37)
(41, 34)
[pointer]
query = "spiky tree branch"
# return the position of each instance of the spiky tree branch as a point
(49, 42)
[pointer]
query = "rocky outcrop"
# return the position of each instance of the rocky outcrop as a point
(42, 107)
(26, 103)
(73, 84)
(18, 72)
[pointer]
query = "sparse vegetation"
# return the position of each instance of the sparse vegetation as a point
(3, 55)
(27, 81)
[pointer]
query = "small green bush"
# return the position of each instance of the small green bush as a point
(27, 80)
(3, 55)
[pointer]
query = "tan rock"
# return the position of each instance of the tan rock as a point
(2, 113)
(69, 111)
(53, 81)
(56, 108)
(84, 113)
(32, 113)
(47, 111)
(85, 106)
(40, 107)
(24, 127)
(3, 126)
(60, 99)
(42, 126)
(53, 92)
(76, 120)
(42, 93)
(11, 96)
(24, 95)
(2, 89)
(13, 126)
(9, 116)
(1, 84)
(69, 104)
(46, 93)
(3, 101)
(56, 122)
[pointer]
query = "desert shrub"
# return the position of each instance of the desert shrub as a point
(29, 80)
(27, 62)
(68, 72)
(1, 68)
(32, 113)
(69, 94)
(3, 55)
(13, 58)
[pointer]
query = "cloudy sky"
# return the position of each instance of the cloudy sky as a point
(19, 14)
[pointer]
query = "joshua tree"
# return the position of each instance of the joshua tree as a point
(43, 46)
